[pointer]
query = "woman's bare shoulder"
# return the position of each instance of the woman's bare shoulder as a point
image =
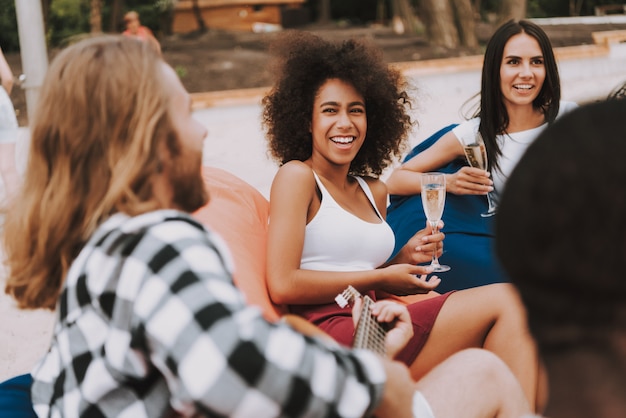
(293, 176)
(295, 170)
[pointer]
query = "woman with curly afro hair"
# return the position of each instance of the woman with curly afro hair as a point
(335, 118)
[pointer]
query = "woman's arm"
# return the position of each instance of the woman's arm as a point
(405, 180)
(291, 197)
(6, 76)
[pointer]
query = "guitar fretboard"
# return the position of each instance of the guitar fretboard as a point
(369, 333)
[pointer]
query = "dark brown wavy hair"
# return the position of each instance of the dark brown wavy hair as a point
(303, 62)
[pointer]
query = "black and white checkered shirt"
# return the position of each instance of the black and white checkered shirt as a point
(149, 320)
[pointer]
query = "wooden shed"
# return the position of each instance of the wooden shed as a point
(243, 15)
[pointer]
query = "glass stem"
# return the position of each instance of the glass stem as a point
(492, 207)
(435, 260)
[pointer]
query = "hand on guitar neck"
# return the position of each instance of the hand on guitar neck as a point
(383, 327)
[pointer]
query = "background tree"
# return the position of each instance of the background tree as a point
(95, 16)
(403, 17)
(324, 14)
(512, 9)
(439, 21)
(198, 14)
(466, 22)
(450, 23)
(574, 7)
(116, 15)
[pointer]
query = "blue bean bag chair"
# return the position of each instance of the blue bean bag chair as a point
(15, 397)
(468, 246)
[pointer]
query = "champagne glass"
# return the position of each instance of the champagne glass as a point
(476, 154)
(433, 201)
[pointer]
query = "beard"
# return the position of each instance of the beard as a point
(189, 192)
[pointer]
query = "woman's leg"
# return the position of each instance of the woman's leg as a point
(473, 383)
(491, 317)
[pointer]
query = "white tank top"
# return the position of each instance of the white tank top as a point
(337, 240)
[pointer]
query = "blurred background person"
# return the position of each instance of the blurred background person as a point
(8, 130)
(136, 29)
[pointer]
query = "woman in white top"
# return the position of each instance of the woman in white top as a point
(520, 95)
(335, 118)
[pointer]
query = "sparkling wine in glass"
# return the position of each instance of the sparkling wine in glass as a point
(476, 155)
(433, 201)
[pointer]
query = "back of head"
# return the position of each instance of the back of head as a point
(560, 229)
(102, 113)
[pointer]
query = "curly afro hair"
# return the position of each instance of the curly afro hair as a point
(302, 64)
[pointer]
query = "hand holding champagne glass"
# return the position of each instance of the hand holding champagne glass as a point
(476, 155)
(433, 200)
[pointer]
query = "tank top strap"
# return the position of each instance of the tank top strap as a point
(368, 192)
(326, 196)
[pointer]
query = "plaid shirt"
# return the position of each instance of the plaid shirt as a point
(149, 320)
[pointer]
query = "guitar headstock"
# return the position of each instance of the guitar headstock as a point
(347, 297)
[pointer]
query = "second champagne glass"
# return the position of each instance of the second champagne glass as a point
(476, 154)
(433, 201)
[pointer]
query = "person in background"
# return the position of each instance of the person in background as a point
(148, 320)
(563, 209)
(520, 95)
(134, 28)
(335, 118)
(8, 131)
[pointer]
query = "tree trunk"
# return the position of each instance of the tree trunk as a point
(95, 16)
(403, 17)
(324, 15)
(512, 9)
(466, 23)
(440, 23)
(574, 7)
(116, 13)
(45, 11)
(381, 15)
(198, 14)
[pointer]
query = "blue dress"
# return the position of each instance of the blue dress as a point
(469, 243)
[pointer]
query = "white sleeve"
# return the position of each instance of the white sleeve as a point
(565, 107)
(465, 131)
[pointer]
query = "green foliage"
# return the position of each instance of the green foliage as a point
(181, 71)
(9, 40)
(67, 19)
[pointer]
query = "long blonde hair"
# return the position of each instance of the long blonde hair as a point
(102, 116)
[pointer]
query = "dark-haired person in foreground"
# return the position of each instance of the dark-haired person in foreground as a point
(148, 320)
(564, 209)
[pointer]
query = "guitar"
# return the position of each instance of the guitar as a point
(369, 333)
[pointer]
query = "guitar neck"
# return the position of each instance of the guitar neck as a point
(369, 333)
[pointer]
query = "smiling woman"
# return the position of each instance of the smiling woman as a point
(520, 95)
(335, 118)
